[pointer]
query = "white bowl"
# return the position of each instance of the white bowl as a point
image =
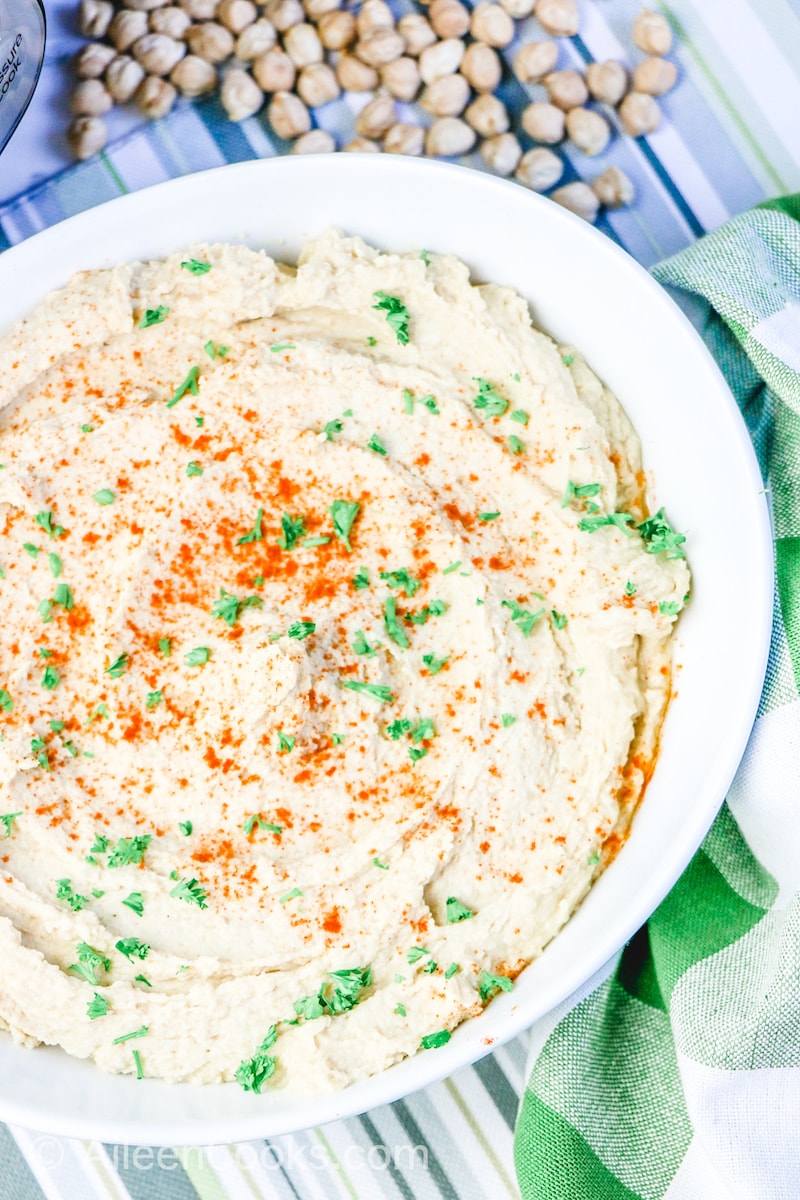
(585, 290)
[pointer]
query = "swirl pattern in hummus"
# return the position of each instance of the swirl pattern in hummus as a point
(331, 643)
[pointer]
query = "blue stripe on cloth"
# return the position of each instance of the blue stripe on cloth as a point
(498, 1087)
(151, 1173)
(17, 1181)
(437, 1172)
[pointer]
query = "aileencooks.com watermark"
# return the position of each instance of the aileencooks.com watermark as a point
(284, 1154)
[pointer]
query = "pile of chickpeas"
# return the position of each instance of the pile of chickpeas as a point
(293, 56)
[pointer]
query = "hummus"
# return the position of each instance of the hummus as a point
(335, 650)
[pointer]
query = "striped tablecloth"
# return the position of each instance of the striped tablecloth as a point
(730, 137)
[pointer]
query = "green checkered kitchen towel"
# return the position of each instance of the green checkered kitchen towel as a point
(679, 1075)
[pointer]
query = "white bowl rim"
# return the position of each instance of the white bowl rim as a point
(508, 1018)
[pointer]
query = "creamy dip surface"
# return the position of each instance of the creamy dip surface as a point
(335, 648)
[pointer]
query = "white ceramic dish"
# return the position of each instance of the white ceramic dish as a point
(582, 289)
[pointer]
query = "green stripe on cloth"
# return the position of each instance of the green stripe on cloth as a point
(17, 1181)
(151, 1173)
(787, 565)
(555, 1163)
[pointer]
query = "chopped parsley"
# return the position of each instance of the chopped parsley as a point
(65, 892)
(376, 862)
(376, 690)
(371, 341)
(56, 726)
(7, 820)
(50, 678)
(253, 1073)
(63, 595)
(292, 895)
(89, 962)
(415, 753)
(596, 521)
(257, 819)
(508, 720)
(154, 698)
(488, 516)
(198, 657)
(452, 970)
(276, 349)
(408, 401)
(429, 402)
(332, 427)
(286, 742)
(39, 751)
(44, 608)
(670, 608)
(301, 629)
(453, 567)
(137, 1061)
(118, 667)
(435, 664)
(165, 646)
(195, 267)
(361, 645)
(153, 316)
(292, 528)
(135, 1033)
(393, 627)
(488, 401)
(87, 428)
(520, 416)
(56, 565)
(45, 653)
(135, 903)
(97, 1007)
(398, 728)
(425, 258)
(416, 953)
(396, 315)
(401, 579)
(376, 444)
(491, 984)
(559, 619)
(189, 384)
(516, 445)
(361, 579)
(186, 828)
(660, 537)
(432, 1041)
(456, 911)
(191, 892)
(129, 852)
(193, 468)
(133, 948)
(6, 703)
(630, 588)
(338, 739)
(218, 351)
(45, 521)
(29, 548)
(255, 534)
(343, 514)
(400, 1009)
(318, 540)
(229, 607)
(568, 360)
(104, 497)
(523, 618)
(579, 491)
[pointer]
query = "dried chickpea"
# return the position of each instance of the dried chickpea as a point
(446, 97)
(236, 15)
(172, 21)
(415, 29)
(316, 141)
(193, 76)
(303, 46)
(274, 71)
(380, 46)
(579, 198)
(337, 29)
(199, 10)
(401, 78)
(488, 115)
(404, 139)
(442, 59)
(651, 33)
(482, 67)
(92, 60)
(126, 28)
(540, 169)
(491, 24)
(613, 188)
(241, 97)
(639, 114)
(376, 117)
(588, 130)
(210, 41)
(288, 116)
(559, 18)
(655, 76)
(155, 97)
(316, 9)
(86, 136)
(449, 137)
(544, 122)
(158, 53)
(90, 98)
(317, 85)
(284, 13)
(449, 18)
(354, 75)
(519, 9)
(607, 81)
(255, 40)
(94, 18)
(123, 77)
(501, 153)
(361, 145)
(535, 60)
(566, 89)
(374, 14)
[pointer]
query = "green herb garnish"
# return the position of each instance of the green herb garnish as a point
(376, 444)
(361, 579)
(189, 384)
(361, 645)
(6, 703)
(669, 608)
(7, 820)
(488, 516)
(433, 663)
(301, 629)
(104, 497)
(50, 678)
(133, 948)
(229, 608)
(523, 618)
(130, 851)
(118, 667)
(452, 970)
(135, 903)
(286, 742)
(596, 521)
(630, 588)
(432, 1041)
(29, 548)
(97, 1007)
(393, 627)
(153, 316)
(520, 416)
(343, 514)
(253, 1073)
(456, 911)
(56, 565)
(191, 892)
(660, 537)
(198, 657)
(488, 401)
(165, 646)
(292, 895)
(396, 315)
(559, 619)
(45, 521)
(193, 469)
(255, 534)
(376, 690)
(154, 698)
(292, 529)
(135, 1033)
(491, 984)
(516, 445)
(89, 962)
(65, 892)
(508, 720)
(195, 267)
(579, 491)
(401, 579)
